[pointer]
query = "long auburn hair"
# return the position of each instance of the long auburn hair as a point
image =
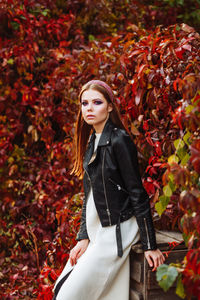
(83, 130)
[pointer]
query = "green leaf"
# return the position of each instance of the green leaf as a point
(45, 12)
(180, 288)
(189, 108)
(162, 204)
(14, 25)
(159, 208)
(172, 185)
(173, 158)
(186, 138)
(167, 190)
(186, 237)
(181, 152)
(185, 159)
(22, 17)
(171, 177)
(179, 143)
(166, 275)
(10, 160)
(10, 61)
(91, 37)
(164, 200)
(40, 59)
(180, 2)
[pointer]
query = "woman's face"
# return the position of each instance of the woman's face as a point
(95, 109)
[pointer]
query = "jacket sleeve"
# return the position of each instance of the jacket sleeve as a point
(82, 234)
(125, 152)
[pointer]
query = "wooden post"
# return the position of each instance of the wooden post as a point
(143, 283)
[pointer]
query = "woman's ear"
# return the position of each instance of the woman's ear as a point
(110, 107)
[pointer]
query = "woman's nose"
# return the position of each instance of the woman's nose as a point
(89, 106)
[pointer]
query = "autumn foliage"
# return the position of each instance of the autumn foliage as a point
(48, 49)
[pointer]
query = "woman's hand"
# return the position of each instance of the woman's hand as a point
(78, 250)
(155, 258)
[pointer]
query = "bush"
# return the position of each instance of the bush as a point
(48, 50)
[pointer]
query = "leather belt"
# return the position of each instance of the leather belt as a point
(123, 216)
(119, 238)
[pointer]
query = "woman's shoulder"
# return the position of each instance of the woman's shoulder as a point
(120, 135)
(122, 143)
(120, 132)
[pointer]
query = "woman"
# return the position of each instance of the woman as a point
(115, 208)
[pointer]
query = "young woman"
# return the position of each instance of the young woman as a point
(116, 210)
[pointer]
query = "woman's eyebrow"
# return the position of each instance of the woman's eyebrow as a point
(92, 99)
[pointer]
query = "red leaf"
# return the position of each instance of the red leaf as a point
(141, 70)
(145, 125)
(187, 47)
(138, 96)
(179, 52)
(195, 155)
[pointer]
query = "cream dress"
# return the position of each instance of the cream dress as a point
(99, 273)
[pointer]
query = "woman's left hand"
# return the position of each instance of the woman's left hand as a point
(155, 258)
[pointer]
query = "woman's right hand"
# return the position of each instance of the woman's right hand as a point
(78, 250)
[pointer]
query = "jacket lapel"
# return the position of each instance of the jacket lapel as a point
(106, 133)
(89, 151)
(104, 140)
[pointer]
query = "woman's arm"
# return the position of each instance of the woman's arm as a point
(82, 234)
(126, 156)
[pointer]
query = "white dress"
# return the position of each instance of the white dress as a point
(99, 273)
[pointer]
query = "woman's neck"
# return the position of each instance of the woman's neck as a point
(99, 127)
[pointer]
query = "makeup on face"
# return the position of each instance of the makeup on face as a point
(95, 101)
(95, 109)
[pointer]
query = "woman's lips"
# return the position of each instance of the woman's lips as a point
(90, 116)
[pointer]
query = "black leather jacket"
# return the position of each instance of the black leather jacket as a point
(113, 173)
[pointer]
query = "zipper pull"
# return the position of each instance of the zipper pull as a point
(119, 187)
(108, 212)
(147, 233)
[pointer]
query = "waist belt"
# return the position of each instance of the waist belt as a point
(119, 238)
(123, 216)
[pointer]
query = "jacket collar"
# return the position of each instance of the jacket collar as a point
(106, 133)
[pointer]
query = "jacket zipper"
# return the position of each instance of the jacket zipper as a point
(148, 242)
(107, 209)
(118, 186)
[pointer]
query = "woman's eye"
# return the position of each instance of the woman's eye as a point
(84, 103)
(97, 102)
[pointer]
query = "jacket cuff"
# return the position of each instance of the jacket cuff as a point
(82, 236)
(147, 232)
(82, 233)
